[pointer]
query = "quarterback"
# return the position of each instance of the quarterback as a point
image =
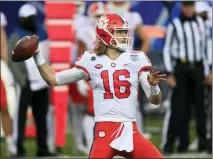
(114, 72)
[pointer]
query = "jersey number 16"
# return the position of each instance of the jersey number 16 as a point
(117, 84)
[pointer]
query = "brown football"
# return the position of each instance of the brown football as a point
(25, 48)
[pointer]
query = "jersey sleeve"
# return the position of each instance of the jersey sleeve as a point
(83, 63)
(144, 83)
(81, 35)
(3, 20)
(144, 67)
(70, 76)
(143, 64)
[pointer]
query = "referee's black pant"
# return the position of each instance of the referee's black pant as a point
(39, 102)
(208, 96)
(189, 86)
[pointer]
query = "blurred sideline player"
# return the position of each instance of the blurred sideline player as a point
(134, 19)
(114, 74)
(135, 23)
(5, 115)
(78, 90)
(87, 41)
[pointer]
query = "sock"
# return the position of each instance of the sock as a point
(10, 144)
(9, 140)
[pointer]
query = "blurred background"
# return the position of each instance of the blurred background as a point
(66, 30)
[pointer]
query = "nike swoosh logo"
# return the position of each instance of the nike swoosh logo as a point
(126, 64)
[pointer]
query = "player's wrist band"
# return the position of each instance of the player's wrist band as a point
(39, 60)
(155, 90)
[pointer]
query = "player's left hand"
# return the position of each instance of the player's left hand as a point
(155, 77)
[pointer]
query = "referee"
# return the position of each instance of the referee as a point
(185, 60)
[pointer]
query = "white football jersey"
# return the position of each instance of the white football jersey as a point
(78, 22)
(88, 36)
(115, 83)
(3, 20)
(133, 19)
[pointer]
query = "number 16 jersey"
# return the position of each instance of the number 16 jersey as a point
(115, 83)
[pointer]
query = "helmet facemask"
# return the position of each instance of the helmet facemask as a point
(121, 38)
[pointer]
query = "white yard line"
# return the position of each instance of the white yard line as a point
(190, 155)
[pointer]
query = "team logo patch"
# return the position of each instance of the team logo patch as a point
(93, 58)
(134, 57)
(101, 134)
(98, 66)
(113, 64)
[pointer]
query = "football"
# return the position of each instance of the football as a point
(25, 48)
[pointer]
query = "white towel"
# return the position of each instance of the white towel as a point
(125, 140)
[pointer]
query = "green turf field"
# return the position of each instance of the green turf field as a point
(30, 144)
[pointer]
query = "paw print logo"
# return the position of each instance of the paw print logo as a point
(102, 134)
(103, 23)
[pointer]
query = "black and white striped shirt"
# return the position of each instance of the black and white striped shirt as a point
(186, 40)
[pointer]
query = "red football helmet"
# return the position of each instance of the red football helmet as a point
(109, 28)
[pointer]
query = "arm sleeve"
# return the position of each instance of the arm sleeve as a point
(167, 48)
(70, 76)
(144, 83)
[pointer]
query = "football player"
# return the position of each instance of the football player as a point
(134, 19)
(7, 77)
(114, 72)
(78, 90)
(136, 24)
